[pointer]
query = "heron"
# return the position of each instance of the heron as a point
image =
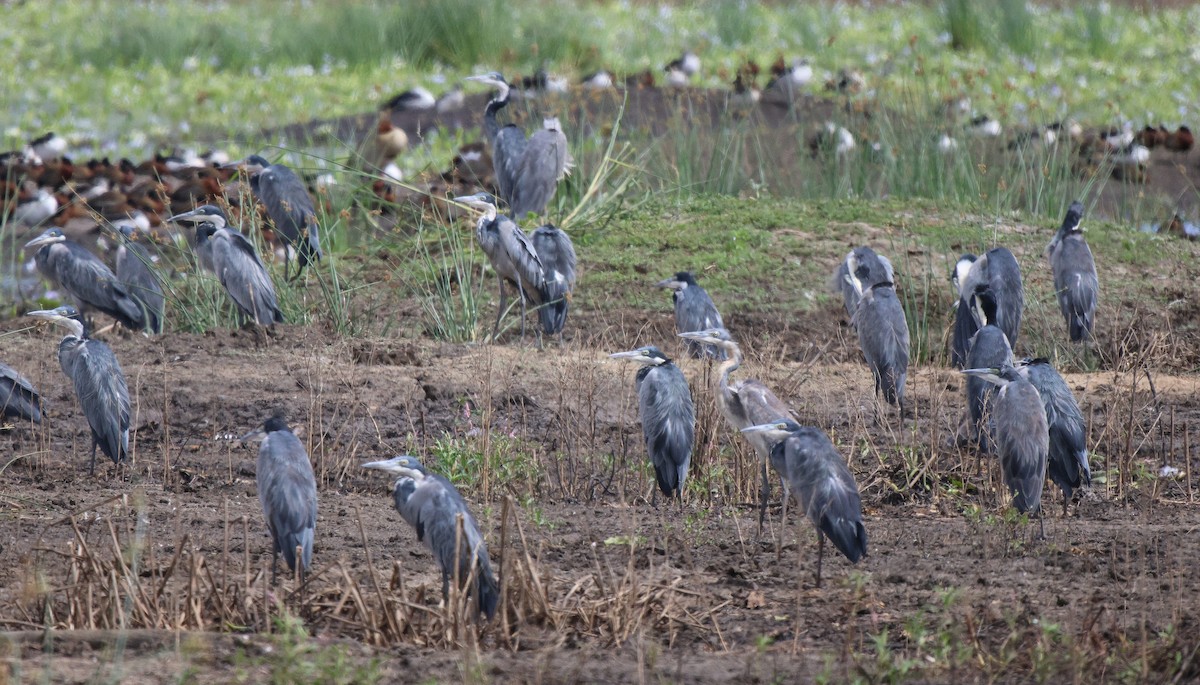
(139, 278)
(557, 255)
(289, 207)
(694, 311)
(1068, 461)
(18, 399)
(223, 249)
(287, 491)
(98, 380)
(877, 268)
(821, 483)
(511, 253)
(989, 348)
(882, 333)
(527, 170)
(1075, 279)
(746, 402)
(1021, 435)
(85, 277)
(999, 271)
(433, 507)
(668, 416)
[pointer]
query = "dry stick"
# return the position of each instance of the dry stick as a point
(454, 597)
(225, 552)
(505, 629)
(1187, 459)
(362, 533)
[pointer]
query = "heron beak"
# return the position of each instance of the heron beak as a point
(44, 239)
(186, 216)
(669, 283)
(44, 314)
(990, 375)
(635, 355)
(763, 428)
(257, 435)
(383, 465)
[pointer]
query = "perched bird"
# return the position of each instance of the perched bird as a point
(875, 267)
(287, 490)
(694, 311)
(99, 383)
(882, 332)
(999, 272)
(289, 207)
(1075, 279)
(85, 277)
(223, 250)
(819, 479)
(1022, 436)
(557, 255)
(135, 270)
(18, 399)
(668, 416)
(433, 507)
(1068, 460)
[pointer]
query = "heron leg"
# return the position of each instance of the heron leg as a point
(764, 492)
(92, 463)
(1066, 501)
(1041, 526)
(274, 564)
(820, 554)
(521, 294)
(782, 525)
(500, 310)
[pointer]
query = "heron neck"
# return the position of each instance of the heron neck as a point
(489, 114)
(733, 363)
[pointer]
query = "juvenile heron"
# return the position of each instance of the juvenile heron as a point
(821, 482)
(557, 255)
(287, 491)
(1075, 279)
(1021, 435)
(99, 383)
(289, 207)
(527, 171)
(85, 277)
(870, 268)
(223, 249)
(694, 311)
(18, 399)
(999, 272)
(668, 416)
(1068, 461)
(137, 275)
(433, 507)
(882, 331)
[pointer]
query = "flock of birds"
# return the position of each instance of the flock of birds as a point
(1020, 409)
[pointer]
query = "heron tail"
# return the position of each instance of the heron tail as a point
(849, 536)
(553, 316)
(290, 541)
(489, 590)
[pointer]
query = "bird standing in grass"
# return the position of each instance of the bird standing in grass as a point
(289, 207)
(287, 490)
(138, 276)
(1075, 279)
(999, 272)
(1067, 464)
(874, 268)
(556, 252)
(85, 277)
(882, 331)
(694, 311)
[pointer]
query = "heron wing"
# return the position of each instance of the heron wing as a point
(89, 280)
(102, 392)
(17, 396)
(523, 255)
(1004, 279)
(542, 165)
(508, 148)
(668, 423)
(287, 490)
(290, 207)
(140, 280)
(1068, 460)
(1024, 441)
(557, 254)
(821, 482)
(244, 276)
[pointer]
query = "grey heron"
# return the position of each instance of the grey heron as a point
(511, 253)
(223, 249)
(821, 483)
(527, 171)
(668, 416)
(287, 490)
(557, 255)
(989, 348)
(694, 311)
(140, 281)
(98, 380)
(289, 207)
(85, 277)
(998, 271)
(18, 399)
(1022, 436)
(882, 331)
(1068, 461)
(746, 402)
(433, 507)
(874, 268)
(1075, 279)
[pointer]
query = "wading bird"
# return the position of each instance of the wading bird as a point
(999, 271)
(432, 506)
(882, 331)
(1075, 279)
(668, 416)
(138, 277)
(511, 254)
(287, 490)
(870, 268)
(85, 277)
(1021, 435)
(1068, 461)
(18, 399)
(557, 255)
(694, 311)
(288, 205)
(223, 250)
(99, 383)
(527, 171)
(821, 482)
(989, 349)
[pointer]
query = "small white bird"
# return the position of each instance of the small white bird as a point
(984, 126)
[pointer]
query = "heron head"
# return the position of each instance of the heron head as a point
(493, 78)
(405, 466)
(679, 281)
(276, 423)
(961, 269)
(251, 165)
(994, 375)
(983, 305)
(647, 356)
(66, 316)
(205, 214)
(711, 336)
(482, 202)
(48, 237)
(775, 430)
(1074, 216)
(552, 124)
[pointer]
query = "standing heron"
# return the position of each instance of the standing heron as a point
(557, 254)
(875, 269)
(694, 311)
(223, 250)
(746, 402)
(988, 348)
(18, 399)
(99, 383)
(85, 277)
(1022, 436)
(138, 277)
(668, 416)
(821, 482)
(287, 490)
(1075, 279)
(289, 207)
(527, 171)
(1068, 461)
(511, 253)
(882, 331)
(999, 272)
(433, 507)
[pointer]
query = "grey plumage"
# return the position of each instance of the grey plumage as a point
(99, 384)
(87, 279)
(1068, 466)
(287, 490)
(668, 417)
(141, 282)
(288, 205)
(989, 349)
(694, 311)
(18, 399)
(998, 273)
(1075, 279)
(433, 506)
(870, 268)
(557, 255)
(882, 335)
